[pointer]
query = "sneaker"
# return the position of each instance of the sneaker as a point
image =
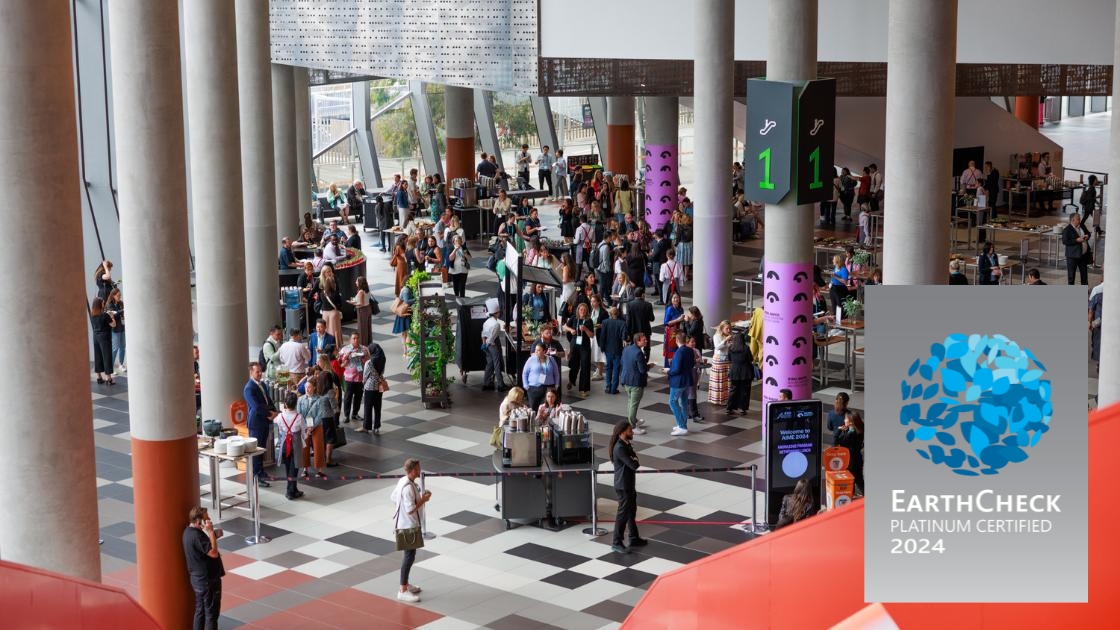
(361, 430)
(639, 431)
(405, 596)
(596, 377)
(619, 549)
(678, 431)
(322, 476)
(412, 588)
(697, 419)
(639, 422)
(377, 431)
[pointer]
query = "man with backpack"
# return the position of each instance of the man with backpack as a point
(672, 272)
(658, 253)
(269, 356)
(602, 261)
(289, 432)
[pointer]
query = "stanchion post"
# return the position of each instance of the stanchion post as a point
(593, 531)
(252, 489)
(755, 527)
(423, 513)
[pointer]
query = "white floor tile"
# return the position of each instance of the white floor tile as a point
(322, 549)
(258, 570)
(320, 568)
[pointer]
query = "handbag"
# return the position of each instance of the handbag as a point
(339, 436)
(383, 385)
(496, 437)
(374, 307)
(411, 538)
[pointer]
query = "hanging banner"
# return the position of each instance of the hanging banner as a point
(661, 181)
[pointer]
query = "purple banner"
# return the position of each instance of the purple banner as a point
(787, 348)
(662, 182)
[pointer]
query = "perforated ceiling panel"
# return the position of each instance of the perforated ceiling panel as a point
(489, 44)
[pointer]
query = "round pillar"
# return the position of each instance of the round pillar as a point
(49, 495)
(215, 155)
(714, 78)
(459, 117)
(921, 79)
(148, 94)
(662, 176)
(620, 135)
(302, 108)
(788, 244)
(288, 213)
(254, 79)
(1026, 110)
(1108, 382)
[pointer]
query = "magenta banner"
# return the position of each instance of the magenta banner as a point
(787, 348)
(662, 182)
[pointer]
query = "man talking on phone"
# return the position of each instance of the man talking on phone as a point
(204, 563)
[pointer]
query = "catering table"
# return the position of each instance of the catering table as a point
(546, 492)
(823, 345)
(1029, 235)
(977, 215)
(346, 272)
(1007, 270)
(251, 489)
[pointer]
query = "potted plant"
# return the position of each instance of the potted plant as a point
(861, 260)
(852, 307)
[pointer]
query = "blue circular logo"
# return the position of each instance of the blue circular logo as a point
(986, 392)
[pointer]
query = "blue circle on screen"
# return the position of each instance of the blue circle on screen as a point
(794, 465)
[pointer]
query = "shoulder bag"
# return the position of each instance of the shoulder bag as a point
(411, 538)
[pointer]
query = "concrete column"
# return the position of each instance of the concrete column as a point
(921, 78)
(148, 103)
(288, 206)
(49, 495)
(714, 78)
(305, 172)
(459, 116)
(1108, 383)
(788, 246)
(258, 168)
(662, 159)
(1026, 109)
(215, 154)
(620, 135)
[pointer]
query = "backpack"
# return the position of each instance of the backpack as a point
(597, 257)
(260, 354)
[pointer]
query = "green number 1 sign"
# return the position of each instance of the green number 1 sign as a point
(765, 184)
(815, 159)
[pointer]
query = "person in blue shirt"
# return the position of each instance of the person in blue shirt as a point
(541, 372)
(287, 259)
(837, 413)
(841, 280)
(680, 381)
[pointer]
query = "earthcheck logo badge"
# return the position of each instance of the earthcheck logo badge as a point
(978, 404)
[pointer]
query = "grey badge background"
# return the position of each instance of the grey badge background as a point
(901, 324)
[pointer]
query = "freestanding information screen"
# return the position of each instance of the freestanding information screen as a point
(793, 450)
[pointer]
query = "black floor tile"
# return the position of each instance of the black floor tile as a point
(655, 502)
(569, 579)
(547, 555)
(244, 527)
(467, 518)
(121, 529)
(704, 461)
(120, 549)
(720, 429)
(115, 491)
(364, 542)
(677, 537)
(110, 472)
(609, 609)
(682, 555)
(290, 559)
(632, 577)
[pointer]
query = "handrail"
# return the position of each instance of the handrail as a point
(346, 136)
(390, 106)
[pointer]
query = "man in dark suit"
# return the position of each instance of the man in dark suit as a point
(260, 415)
(612, 336)
(639, 317)
(320, 341)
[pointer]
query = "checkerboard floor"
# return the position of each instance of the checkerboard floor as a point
(331, 562)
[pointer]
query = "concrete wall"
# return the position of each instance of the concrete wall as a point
(996, 31)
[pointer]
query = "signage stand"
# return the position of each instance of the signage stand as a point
(793, 450)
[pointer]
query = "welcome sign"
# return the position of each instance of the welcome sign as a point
(976, 445)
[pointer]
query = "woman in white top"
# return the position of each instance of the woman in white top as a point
(459, 261)
(567, 278)
(672, 275)
(718, 385)
(560, 174)
(409, 500)
(502, 206)
(549, 408)
(290, 422)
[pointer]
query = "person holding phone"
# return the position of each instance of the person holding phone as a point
(204, 564)
(410, 501)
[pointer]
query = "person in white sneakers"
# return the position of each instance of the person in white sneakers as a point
(409, 502)
(634, 379)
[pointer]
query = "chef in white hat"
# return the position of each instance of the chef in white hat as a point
(490, 346)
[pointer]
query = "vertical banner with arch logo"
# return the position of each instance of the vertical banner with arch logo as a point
(661, 183)
(976, 444)
(787, 332)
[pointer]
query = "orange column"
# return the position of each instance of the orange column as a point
(165, 488)
(149, 95)
(459, 112)
(1026, 110)
(620, 135)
